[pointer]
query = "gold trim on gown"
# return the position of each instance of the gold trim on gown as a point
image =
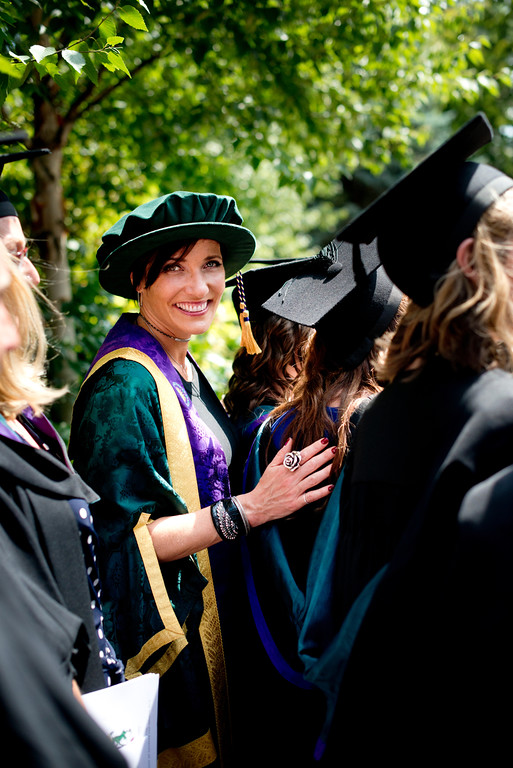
(202, 751)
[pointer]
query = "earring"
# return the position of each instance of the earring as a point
(140, 299)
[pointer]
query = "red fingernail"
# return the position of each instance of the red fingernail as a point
(334, 450)
(324, 440)
(330, 487)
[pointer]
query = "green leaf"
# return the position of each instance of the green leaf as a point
(107, 64)
(25, 73)
(476, 57)
(107, 27)
(90, 69)
(8, 67)
(50, 68)
(40, 52)
(488, 83)
(63, 80)
(115, 40)
(74, 59)
(117, 62)
(100, 56)
(132, 17)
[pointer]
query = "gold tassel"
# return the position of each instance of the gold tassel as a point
(247, 339)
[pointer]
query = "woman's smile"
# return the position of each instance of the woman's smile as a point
(193, 309)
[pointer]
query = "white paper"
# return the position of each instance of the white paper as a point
(127, 712)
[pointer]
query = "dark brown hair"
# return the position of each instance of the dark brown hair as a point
(263, 378)
(317, 385)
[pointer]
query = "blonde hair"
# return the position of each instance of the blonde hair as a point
(470, 321)
(23, 370)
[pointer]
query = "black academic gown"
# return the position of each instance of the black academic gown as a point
(417, 686)
(41, 723)
(38, 522)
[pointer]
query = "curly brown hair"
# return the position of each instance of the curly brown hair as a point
(264, 379)
(318, 385)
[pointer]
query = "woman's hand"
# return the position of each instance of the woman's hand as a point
(280, 491)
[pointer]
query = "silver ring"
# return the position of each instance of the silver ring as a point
(304, 498)
(292, 460)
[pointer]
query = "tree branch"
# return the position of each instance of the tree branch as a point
(107, 91)
(66, 36)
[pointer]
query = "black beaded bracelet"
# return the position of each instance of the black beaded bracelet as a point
(229, 519)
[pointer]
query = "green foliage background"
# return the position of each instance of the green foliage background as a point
(302, 109)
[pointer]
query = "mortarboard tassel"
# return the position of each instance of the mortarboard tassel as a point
(247, 339)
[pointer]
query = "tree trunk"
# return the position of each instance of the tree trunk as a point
(48, 230)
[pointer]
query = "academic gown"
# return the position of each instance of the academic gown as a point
(36, 491)
(247, 428)
(41, 723)
(51, 444)
(288, 568)
(138, 440)
(413, 681)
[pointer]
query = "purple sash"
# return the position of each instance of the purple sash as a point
(209, 459)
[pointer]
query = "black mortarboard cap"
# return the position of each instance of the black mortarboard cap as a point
(350, 300)
(420, 221)
(6, 207)
(253, 288)
(260, 284)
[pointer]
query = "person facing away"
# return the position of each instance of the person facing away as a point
(419, 676)
(263, 374)
(349, 300)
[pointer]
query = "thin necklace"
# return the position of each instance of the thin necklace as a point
(184, 367)
(162, 332)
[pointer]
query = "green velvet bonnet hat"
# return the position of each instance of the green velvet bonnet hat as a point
(169, 219)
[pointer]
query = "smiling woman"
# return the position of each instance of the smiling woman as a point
(153, 440)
